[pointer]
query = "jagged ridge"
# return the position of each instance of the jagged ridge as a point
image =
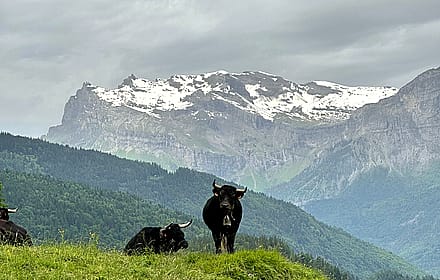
(259, 93)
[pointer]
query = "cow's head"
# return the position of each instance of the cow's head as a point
(173, 237)
(227, 195)
(4, 213)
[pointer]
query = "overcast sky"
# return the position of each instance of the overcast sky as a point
(49, 47)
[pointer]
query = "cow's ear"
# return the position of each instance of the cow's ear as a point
(215, 191)
(239, 194)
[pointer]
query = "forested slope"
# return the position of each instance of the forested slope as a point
(186, 191)
(392, 210)
(53, 210)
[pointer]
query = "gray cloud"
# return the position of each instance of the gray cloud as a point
(50, 47)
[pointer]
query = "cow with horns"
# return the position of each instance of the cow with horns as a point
(11, 233)
(159, 240)
(222, 214)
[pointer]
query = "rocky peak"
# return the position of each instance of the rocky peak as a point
(270, 96)
(128, 81)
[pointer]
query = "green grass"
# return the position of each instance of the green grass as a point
(67, 261)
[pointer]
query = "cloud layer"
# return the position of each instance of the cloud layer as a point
(49, 47)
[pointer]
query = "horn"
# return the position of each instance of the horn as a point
(167, 225)
(12, 210)
(186, 224)
(242, 190)
(215, 186)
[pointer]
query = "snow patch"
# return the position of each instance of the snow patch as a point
(295, 101)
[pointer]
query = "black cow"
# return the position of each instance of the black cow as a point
(157, 239)
(11, 233)
(222, 214)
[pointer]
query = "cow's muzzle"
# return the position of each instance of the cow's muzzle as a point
(225, 205)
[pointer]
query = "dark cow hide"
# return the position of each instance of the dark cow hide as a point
(222, 214)
(159, 240)
(11, 233)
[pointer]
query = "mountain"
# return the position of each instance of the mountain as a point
(253, 128)
(399, 134)
(380, 180)
(43, 172)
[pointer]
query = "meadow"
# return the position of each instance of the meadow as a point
(72, 261)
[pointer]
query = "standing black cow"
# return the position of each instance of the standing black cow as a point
(159, 240)
(11, 233)
(222, 214)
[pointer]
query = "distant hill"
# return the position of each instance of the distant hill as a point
(186, 191)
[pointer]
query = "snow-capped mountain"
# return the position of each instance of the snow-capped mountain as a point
(259, 93)
(255, 128)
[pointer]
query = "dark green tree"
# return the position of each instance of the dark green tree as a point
(2, 201)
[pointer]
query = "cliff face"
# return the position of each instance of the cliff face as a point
(254, 128)
(399, 134)
(406, 125)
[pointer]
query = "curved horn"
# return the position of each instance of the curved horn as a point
(186, 224)
(215, 186)
(242, 190)
(12, 210)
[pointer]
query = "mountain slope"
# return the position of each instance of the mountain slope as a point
(395, 212)
(58, 210)
(187, 191)
(378, 179)
(254, 128)
(399, 134)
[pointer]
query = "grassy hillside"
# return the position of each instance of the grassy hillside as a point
(186, 191)
(88, 262)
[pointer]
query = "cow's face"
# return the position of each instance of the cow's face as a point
(174, 238)
(227, 195)
(4, 213)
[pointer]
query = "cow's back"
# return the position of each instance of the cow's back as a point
(13, 234)
(146, 237)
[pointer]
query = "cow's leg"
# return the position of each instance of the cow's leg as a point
(231, 241)
(217, 242)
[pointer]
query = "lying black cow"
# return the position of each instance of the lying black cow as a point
(157, 239)
(222, 214)
(11, 233)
